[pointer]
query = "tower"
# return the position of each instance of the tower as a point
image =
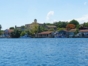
(35, 20)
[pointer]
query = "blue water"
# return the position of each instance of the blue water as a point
(44, 52)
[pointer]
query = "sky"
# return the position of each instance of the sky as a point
(21, 12)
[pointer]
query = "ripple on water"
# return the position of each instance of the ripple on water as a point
(44, 52)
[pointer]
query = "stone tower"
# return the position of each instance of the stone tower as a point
(35, 20)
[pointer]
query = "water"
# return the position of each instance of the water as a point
(44, 52)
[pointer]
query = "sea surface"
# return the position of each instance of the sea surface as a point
(44, 52)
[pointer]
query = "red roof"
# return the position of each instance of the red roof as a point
(46, 32)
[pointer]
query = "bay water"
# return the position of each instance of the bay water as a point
(44, 52)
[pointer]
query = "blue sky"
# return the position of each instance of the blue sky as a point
(21, 12)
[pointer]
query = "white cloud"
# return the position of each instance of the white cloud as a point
(83, 19)
(80, 19)
(85, 3)
(50, 13)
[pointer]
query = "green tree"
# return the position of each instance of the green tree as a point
(75, 22)
(59, 29)
(47, 23)
(77, 31)
(0, 27)
(22, 27)
(34, 28)
(40, 29)
(11, 28)
(23, 33)
(15, 34)
(61, 24)
(85, 24)
(0, 32)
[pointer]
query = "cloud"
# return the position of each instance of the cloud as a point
(83, 19)
(85, 3)
(50, 13)
(80, 19)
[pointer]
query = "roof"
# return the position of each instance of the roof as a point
(72, 30)
(46, 32)
(83, 30)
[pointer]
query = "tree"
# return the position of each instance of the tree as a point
(75, 22)
(40, 29)
(1, 32)
(61, 24)
(15, 34)
(25, 33)
(22, 33)
(59, 29)
(85, 24)
(77, 31)
(47, 23)
(0, 27)
(11, 28)
(22, 27)
(70, 26)
(34, 28)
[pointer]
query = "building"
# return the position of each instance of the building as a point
(45, 34)
(65, 33)
(71, 33)
(50, 27)
(83, 33)
(60, 34)
(36, 24)
(32, 25)
(8, 32)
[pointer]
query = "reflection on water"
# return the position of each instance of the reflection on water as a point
(44, 52)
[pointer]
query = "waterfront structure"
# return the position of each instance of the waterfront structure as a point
(45, 34)
(83, 33)
(60, 34)
(71, 33)
(65, 33)
(7, 33)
